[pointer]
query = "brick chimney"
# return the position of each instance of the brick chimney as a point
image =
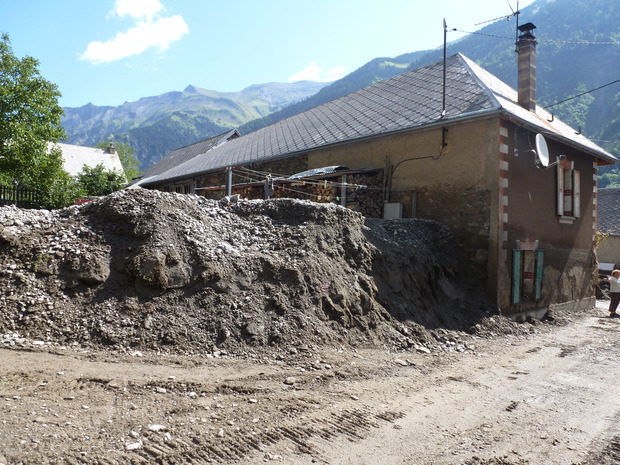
(526, 48)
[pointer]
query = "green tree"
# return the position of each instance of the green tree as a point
(29, 124)
(126, 154)
(99, 181)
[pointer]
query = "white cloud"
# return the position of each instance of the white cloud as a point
(314, 72)
(137, 8)
(137, 40)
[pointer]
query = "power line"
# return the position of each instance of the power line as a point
(581, 94)
(537, 39)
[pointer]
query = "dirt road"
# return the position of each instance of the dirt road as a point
(546, 398)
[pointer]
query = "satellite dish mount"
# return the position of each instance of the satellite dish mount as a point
(542, 153)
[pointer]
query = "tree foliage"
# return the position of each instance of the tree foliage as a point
(99, 181)
(30, 121)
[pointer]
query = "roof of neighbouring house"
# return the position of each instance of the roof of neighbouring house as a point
(407, 102)
(75, 157)
(184, 154)
(608, 201)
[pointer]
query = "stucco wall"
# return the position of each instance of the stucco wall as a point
(530, 215)
(456, 184)
(608, 250)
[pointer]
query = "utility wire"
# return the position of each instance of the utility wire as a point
(581, 94)
(538, 40)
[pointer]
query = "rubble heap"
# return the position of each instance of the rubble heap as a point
(182, 274)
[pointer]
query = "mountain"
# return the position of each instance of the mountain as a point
(578, 50)
(375, 70)
(156, 125)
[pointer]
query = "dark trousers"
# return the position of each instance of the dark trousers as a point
(615, 300)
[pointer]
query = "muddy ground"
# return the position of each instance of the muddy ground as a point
(147, 327)
(547, 397)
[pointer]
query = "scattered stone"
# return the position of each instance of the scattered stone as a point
(134, 446)
(290, 380)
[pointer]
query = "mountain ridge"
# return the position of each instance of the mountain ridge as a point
(185, 116)
(571, 60)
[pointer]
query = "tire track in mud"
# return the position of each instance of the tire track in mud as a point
(352, 424)
(609, 455)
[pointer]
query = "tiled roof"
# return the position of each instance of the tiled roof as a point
(75, 157)
(184, 154)
(609, 210)
(405, 102)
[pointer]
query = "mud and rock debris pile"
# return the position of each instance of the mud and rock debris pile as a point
(181, 274)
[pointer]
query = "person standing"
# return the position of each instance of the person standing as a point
(614, 292)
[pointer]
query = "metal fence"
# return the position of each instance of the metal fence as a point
(19, 196)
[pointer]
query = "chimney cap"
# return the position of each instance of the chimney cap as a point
(527, 27)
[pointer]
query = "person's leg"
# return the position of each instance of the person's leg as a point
(613, 304)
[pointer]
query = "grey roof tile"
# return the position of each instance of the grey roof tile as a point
(609, 210)
(183, 154)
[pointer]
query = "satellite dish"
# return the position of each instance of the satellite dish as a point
(542, 152)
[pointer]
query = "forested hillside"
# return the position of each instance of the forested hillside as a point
(578, 50)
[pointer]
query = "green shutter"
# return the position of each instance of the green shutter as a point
(538, 277)
(517, 267)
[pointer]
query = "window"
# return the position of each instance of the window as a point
(527, 275)
(187, 189)
(569, 180)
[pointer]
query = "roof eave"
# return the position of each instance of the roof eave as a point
(599, 154)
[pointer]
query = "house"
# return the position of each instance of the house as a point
(516, 184)
(608, 250)
(180, 156)
(75, 157)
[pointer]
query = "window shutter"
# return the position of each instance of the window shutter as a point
(560, 177)
(517, 266)
(576, 193)
(538, 276)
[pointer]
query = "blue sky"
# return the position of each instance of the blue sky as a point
(107, 52)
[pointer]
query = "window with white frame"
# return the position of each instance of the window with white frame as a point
(569, 181)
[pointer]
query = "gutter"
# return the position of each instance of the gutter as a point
(559, 137)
